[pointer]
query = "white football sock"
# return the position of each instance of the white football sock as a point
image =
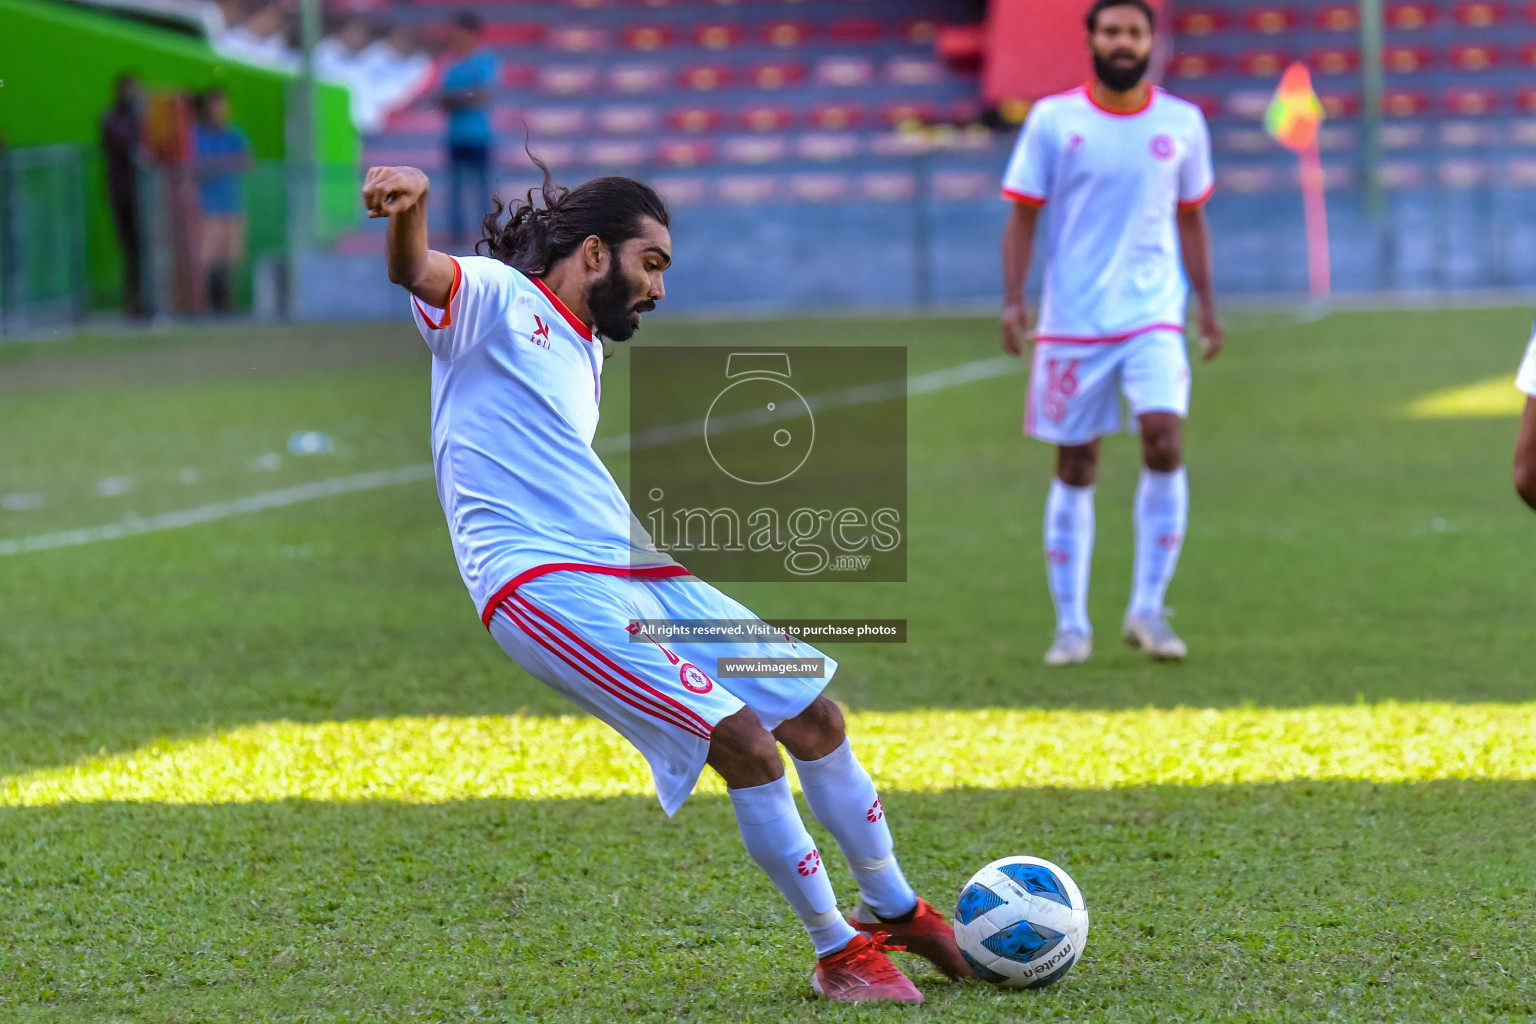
(1162, 512)
(1069, 552)
(776, 838)
(843, 798)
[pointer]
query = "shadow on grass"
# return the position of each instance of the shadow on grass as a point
(1347, 900)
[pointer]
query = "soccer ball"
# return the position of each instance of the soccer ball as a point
(1021, 922)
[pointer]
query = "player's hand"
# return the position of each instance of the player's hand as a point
(1016, 330)
(1212, 336)
(388, 190)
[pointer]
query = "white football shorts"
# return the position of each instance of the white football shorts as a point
(570, 630)
(1525, 380)
(1075, 389)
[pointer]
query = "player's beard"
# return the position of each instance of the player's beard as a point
(1119, 77)
(611, 300)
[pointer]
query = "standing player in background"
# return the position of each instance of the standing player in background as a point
(560, 569)
(1525, 444)
(1123, 170)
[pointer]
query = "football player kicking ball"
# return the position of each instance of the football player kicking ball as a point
(559, 568)
(1525, 444)
(1122, 170)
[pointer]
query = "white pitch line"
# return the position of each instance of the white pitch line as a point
(922, 384)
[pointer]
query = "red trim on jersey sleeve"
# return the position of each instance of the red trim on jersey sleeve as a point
(650, 572)
(1199, 200)
(1106, 339)
(560, 307)
(458, 279)
(1023, 198)
(1151, 95)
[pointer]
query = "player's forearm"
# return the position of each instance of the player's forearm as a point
(411, 264)
(1195, 241)
(1018, 249)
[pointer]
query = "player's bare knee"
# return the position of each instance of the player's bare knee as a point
(1077, 465)
(1162, 442)
(743, 752)
(815, 732)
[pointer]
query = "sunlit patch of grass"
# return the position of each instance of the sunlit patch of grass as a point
(1490, 399)
(437, 759)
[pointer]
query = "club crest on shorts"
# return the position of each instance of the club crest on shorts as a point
(810, 864)
(693, 678)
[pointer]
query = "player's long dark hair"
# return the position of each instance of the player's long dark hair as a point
(538, 234)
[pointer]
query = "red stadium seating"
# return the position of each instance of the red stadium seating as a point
(1528, 54)
(1334, 60)
(1413, 14)
(1270, 20)
(513, 33)
(637, 78)
(1475, 56)
(1336, 17)
(567, 79)
(1405, 60)
(696, 120)
(688, 153)
(648, 37)
(1194, 65)
(765, 119)
(1480, 13)
(1471, 102)
(856, 30)
(1263, 63)
(921, 30)
(834, 116)
(519, 76)
(1404, 102)
(786, 34)
(719, 35)
(777, 74)
(1199, 23)
(704, 77)
(1339, 104)
(576, 39)
(898, 113)
(1525, 98)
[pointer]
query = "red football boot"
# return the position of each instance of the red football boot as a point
(925, 933)
(861, 971)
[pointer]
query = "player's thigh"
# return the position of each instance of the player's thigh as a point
(1073, 397)
(774, 698)
(1154, 374)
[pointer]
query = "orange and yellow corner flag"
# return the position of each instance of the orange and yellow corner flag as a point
(1295, 112)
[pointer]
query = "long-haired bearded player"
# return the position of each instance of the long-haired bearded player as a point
(1122, 171)
(545, 543)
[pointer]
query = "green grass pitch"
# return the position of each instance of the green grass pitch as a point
(271, 768)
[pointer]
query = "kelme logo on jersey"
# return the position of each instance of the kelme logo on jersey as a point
(540, 334)
(771, 464)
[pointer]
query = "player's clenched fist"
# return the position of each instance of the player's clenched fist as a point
(388, 190)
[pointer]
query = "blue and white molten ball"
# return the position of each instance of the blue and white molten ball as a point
(1021, 922)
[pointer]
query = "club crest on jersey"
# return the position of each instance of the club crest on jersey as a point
(693, 678)
(1074, 142)
(1162, 147)
(540, 335)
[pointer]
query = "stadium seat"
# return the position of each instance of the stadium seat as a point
(1528, 54)
(1334, 60)
(1469, 102)
(704, 77)
(856, 30)
(748, 189)
(1270, 20)
(628, 120)
(1339, 104)
(1199, 23)
(647, 38)
(1467, 134)
(1263, 63)
(827, 146)
(845, 71)
(519, 76)
(835, 116)
(1337, 17)
(576, 39)
(637, 78)
(1475, 56)
(1480, 13)
(617, 152)
(1404, 102)
(513, 33)
(786, 34)
(887, 186)
(818, 188)
(544, 121)
(754, 149)
(899, 113)
(777, 74)
(913, 71)
(719, 35)
(567, 79)
(921, 31)
(1464, 173)
(765, 119)
(1403, 136)
(1405, 60)
(1410, 15)
(696, 120)
(689, 153)
(1194, 65)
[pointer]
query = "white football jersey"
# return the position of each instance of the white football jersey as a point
(516, 379)
(1110, 183)
(1525, 380)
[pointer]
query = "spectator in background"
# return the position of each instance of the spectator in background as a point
(221, 153)
(121, 130)
(469, 77)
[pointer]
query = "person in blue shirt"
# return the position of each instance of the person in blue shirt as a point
(469, 79)
(221, 153)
